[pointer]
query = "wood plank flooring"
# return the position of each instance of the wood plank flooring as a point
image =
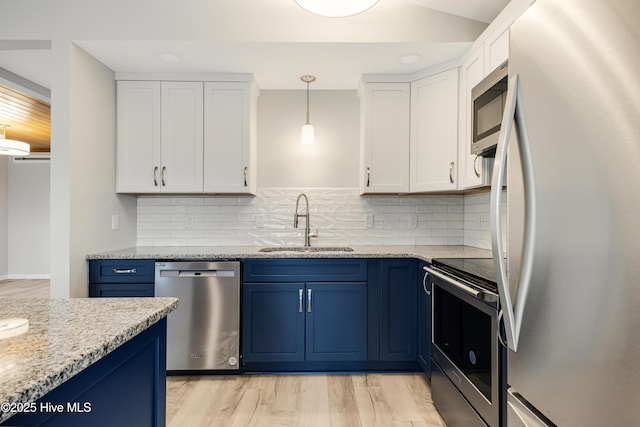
(301, 400)
(24, 288)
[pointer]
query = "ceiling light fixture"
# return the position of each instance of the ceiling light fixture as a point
(336, 8)
(170, 58)
(307, 129)
(9, 147)
(410, 58)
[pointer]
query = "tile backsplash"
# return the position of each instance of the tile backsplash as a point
(341, 216)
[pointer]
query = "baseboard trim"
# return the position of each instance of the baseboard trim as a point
(28, 276)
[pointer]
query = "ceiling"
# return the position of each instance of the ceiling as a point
(373, 43)
(28, 118)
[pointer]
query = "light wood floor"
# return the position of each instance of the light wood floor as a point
(368, 400)
(24, 288)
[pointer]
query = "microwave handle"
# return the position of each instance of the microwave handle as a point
(513, 115)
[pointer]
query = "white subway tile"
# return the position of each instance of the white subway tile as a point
(339, 214)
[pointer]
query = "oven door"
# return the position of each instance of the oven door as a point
(465, 343)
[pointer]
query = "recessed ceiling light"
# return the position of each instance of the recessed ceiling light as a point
(336, 8)
(170, 58)
(410, 58)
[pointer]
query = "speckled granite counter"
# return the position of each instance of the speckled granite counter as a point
(426, 253)
(65, 337)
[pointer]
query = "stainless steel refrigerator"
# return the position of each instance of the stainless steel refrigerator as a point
(569, 269)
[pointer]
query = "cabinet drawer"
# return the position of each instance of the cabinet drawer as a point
(121, 290)
(122, 271)
(302, 269)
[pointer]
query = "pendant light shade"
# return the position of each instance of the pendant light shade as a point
(307, 136)
(9, 147)
(336, 8)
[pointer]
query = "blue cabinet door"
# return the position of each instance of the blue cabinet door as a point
(398, 309)
(424, 320)
(273, 319)
(336, 322)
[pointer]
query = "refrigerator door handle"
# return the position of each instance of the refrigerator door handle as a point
(513, 114)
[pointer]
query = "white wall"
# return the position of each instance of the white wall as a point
(332, 162)
(28, 226)
(83, 170)
(4, 218)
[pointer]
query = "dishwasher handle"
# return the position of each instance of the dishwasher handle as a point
(197, 273)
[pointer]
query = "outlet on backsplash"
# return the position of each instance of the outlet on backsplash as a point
(413, 221)
(368, 220)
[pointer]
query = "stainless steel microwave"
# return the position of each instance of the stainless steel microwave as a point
(487, 105)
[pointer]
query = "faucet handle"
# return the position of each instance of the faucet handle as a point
(313, 233)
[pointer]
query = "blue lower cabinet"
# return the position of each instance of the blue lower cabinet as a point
(398, 309)
(273, 318)
(304, 322)
(127, 387)
(336, 322)
(121, 277)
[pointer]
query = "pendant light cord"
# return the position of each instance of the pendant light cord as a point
(308, 102)
(308, 79)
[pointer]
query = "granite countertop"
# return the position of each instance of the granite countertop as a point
(65, 337)
(426, 253)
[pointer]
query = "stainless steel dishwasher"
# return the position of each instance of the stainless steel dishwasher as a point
(204, 332)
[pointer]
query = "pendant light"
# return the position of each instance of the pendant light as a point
(307, 129)
(9, 147)
(336, 8)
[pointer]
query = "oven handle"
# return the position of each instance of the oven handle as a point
(480, 295)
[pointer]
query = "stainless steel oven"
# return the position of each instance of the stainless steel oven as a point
(468, 373)
(487, 106)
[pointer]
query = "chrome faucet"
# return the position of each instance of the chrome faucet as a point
(307, 231)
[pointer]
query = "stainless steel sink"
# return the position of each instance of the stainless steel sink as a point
(307, 249)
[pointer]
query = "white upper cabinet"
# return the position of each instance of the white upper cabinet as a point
(185, 137)
(384, 137)
(181, 137)
(487, 53)
(474, 171)
(229, 138)
(138, 137)
(434, 132)
(496, 48)
(159, 137)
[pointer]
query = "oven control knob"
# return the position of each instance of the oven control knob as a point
(472, 357)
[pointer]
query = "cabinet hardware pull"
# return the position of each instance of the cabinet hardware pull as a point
(309, 300)
(368, 176)
(124, 271)
(300, 293)
(451, 165)
(155, 176)
(164, 168)
(475, 170)
(245, 175)
(424, 282)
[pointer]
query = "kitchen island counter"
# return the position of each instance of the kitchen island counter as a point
(65, 337)
(425, 253)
